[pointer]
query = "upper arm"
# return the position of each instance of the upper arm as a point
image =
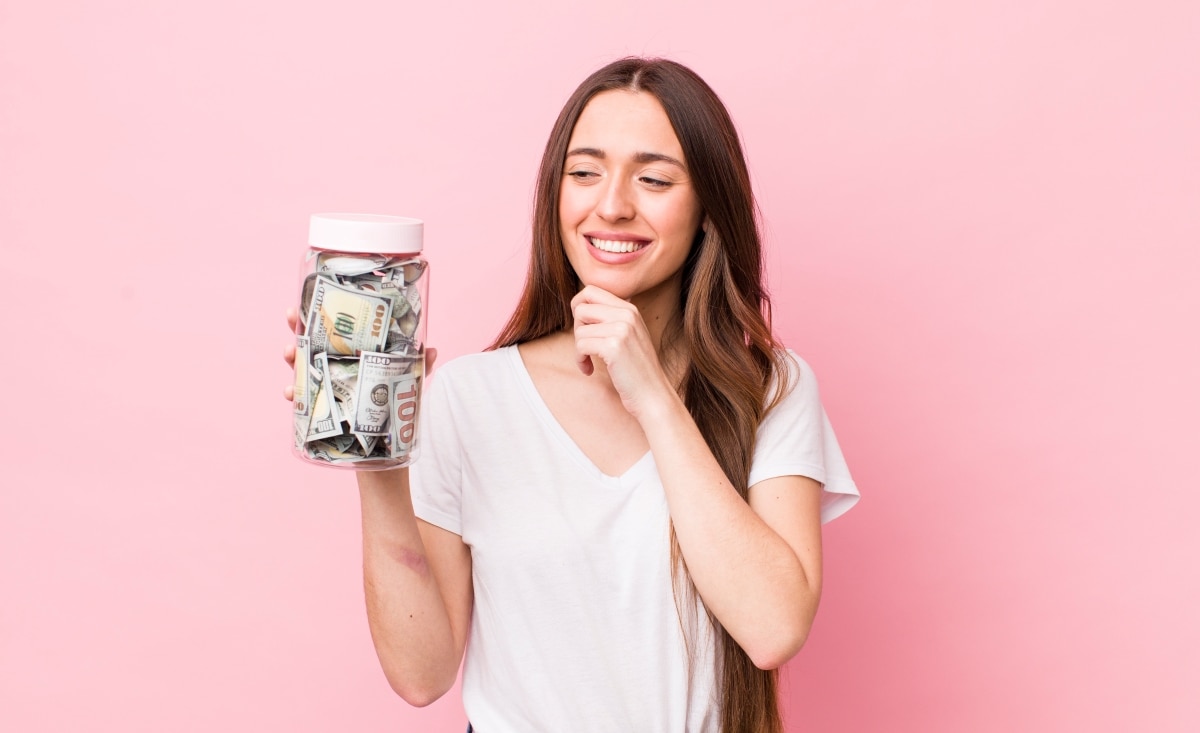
(450, 562)
(791, 506)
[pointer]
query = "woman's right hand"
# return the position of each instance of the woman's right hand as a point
(289, 353)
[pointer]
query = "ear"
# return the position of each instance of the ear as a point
(705, 224)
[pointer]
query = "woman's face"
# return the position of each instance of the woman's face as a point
(627, 208)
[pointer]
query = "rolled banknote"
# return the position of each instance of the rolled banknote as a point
(345, 320)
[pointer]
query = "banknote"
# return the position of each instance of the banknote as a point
(345, 320)
(372, 398)
(402, 425)
(397, 341)
(300, 401)
(337, 449)
(413, 269)
(326, 421)
(386, 288)
(343, 377)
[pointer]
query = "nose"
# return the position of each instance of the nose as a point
(616, 200)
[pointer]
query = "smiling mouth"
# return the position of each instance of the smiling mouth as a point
(615, 246)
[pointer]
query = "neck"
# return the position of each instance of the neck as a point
(661, 312)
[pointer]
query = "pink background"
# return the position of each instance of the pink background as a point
(984, 235)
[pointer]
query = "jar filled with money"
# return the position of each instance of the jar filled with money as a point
(360, 341)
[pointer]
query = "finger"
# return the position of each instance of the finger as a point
(289, 355)
(602, 313)
(584, 362)
(292, 318)
(289, 392)
(593, 294)
(430, 357)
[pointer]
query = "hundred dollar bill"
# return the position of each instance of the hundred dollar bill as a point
(306, 293)
(413, 269)
(338, 449)
(343, 377)
(413, 296)
(404, 396)
(300, 391)
(368, 443)
(326, 422)
(386, 288)
(408, 324)
(345, 320)
(397, 342)
(372, 398)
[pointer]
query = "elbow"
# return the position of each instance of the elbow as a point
(418, 696)
(417, 692)
(784, 640)
(779, 650)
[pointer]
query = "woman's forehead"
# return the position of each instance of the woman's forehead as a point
(626, 124)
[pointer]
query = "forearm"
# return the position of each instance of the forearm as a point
(406, 610)
(748, 575)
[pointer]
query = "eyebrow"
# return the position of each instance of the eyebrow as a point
(638, 157)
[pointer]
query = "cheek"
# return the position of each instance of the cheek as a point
(572, 206)
(680, 218)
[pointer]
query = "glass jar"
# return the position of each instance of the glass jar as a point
(360, 342)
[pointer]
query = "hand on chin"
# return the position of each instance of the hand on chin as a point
(611, 329)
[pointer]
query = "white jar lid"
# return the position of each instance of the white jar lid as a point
(365, 233)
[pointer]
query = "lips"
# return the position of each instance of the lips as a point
(616, 246)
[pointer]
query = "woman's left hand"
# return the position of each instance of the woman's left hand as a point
(612, 329)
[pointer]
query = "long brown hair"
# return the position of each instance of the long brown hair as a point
(726, 335)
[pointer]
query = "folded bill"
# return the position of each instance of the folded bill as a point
(345, 320)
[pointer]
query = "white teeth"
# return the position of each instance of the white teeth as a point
(609, 245)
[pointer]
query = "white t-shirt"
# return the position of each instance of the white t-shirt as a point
(575, 625)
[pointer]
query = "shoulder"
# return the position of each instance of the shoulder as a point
(547, 351)
(466, 380)
(473, 366)
(791, 378)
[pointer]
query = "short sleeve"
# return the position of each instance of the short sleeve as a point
(436, 474)
(796, 439)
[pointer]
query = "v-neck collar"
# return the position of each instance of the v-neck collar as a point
(630, 477)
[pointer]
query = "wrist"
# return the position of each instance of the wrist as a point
(664, 406)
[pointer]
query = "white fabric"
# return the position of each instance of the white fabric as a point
(575, 625)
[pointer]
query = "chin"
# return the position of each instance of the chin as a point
(618, 289)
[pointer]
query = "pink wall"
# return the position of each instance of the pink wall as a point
(984, 231)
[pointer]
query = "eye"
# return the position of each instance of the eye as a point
(655, 182)
(583, 176)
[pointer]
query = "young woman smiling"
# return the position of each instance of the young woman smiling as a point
(617, 513)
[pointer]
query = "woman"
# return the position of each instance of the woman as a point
(619, 504)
